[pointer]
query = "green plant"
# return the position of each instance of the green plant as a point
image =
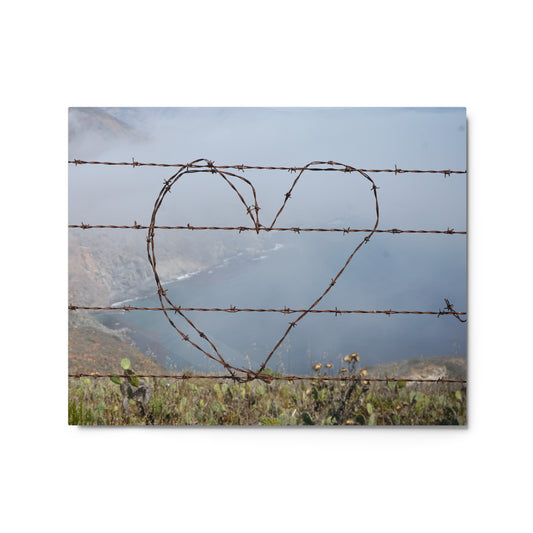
(132, 388)
(278, 402)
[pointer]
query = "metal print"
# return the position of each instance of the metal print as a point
(267, 266)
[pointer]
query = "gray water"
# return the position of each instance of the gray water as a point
(399, 272)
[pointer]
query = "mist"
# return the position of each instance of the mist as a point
(399, 272)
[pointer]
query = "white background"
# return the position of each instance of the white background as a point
(411, 53)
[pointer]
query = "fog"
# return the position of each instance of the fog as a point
(400, 272)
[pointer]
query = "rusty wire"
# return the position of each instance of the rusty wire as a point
(242, 168)
(241, 229)
(268, 378)
(449, 310)
(204, 165)
(252, 210)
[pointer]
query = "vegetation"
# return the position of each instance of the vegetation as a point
(128, 400)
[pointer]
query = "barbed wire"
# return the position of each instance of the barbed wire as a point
(205, 165)
(268, 378)
(209, 164)
(252, 211)
(240, 229)
(449, 310)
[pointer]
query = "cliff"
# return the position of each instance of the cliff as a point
(109, 266)
(106, 266)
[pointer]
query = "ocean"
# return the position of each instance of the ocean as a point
(293, 273)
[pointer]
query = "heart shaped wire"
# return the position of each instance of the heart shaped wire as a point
(206, 166)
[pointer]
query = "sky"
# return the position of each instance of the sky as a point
(433, 138)
(403, 272)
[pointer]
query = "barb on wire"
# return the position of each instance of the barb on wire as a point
(451, 311)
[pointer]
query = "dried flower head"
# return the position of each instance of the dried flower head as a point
(355, 356)
(328, 365)
(347, 358)
(317, 367)
(363, 372)
(343, 370)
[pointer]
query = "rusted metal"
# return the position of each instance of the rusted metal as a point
(285, 310)
(242, 168)
(450, 310)
(241, 229)
(252, 211)
(269, 378)
(204, 165)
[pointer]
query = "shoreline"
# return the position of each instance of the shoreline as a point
(257, 255)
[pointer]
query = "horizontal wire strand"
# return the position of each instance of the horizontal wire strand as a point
(269, 378)
(285, 310)
(346, 168)
(248, 228)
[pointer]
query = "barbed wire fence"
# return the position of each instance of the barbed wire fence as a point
(252, 211)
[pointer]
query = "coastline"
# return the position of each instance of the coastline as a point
(256, 255)
(135, 334)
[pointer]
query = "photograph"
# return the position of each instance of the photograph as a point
(267, 266)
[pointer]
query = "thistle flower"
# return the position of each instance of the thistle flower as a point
(343, 370)
(317, 367)
(355, 356)
(363, 372)
(328, 365)
(347, 358)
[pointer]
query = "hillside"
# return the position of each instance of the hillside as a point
(92, 349)
(92, 131)
(94, 121)
(106, 267)
(445, 367)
